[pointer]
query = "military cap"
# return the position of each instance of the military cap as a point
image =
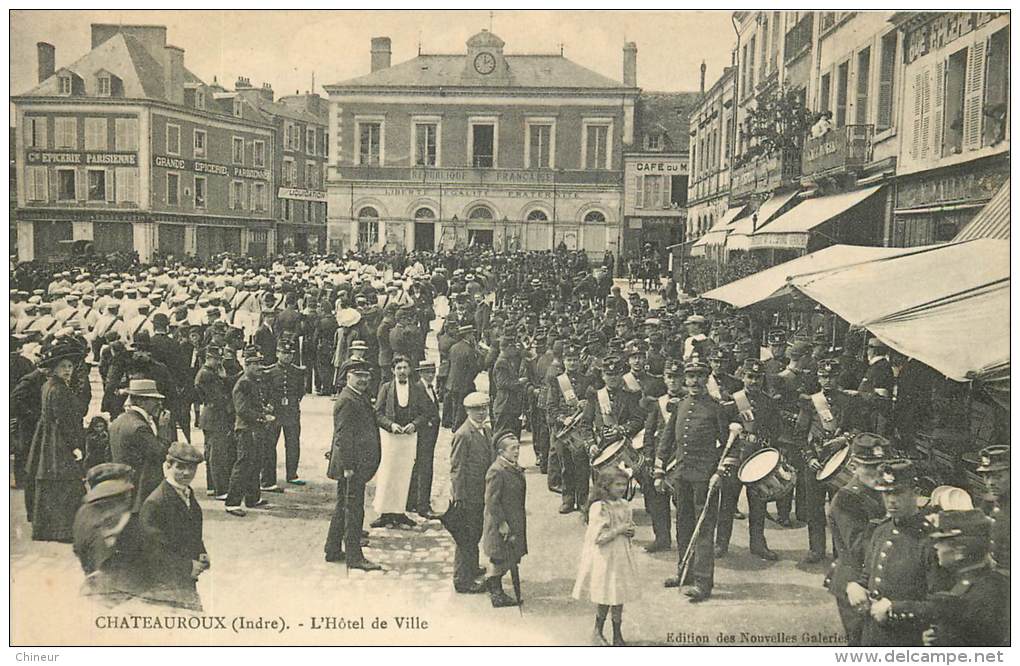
(994, 458)
(696, 366)
(799, 348)
(356, 365)
(213, 350)
(185, 453)
(673, 366)
(614, 365)
(828, 367)
(572, 350)
(251, 353)
(776, 336)
(476, 399)
(753, 366)
(466, 328)
(895, 475)
(969, 523)
(870, 449)
(720, 353)
(286, 347)
(108, 488)
(106, 471)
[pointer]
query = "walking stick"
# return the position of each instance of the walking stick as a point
(713, 485)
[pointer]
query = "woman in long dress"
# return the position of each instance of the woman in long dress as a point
(607, 567)
(57, 449)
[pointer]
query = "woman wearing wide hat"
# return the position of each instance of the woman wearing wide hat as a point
(54, 461)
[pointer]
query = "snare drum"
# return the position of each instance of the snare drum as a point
(767, 475)
(616, 455)
(578, 441)
(836, 471)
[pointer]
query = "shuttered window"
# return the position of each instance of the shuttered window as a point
(973, 97)
(35, 183)
(126, 184)
(996, 106)
(886, 77)
(863, 83)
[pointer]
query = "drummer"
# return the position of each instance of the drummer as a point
(823, 417)
(567, 394)
(854, 509)
(657, 411)
(613, 411)
(758, 413)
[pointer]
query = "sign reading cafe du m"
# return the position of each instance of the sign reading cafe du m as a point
(97, 159)
(208, 167)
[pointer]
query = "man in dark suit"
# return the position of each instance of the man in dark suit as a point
(470, 457)
(167, 351)
(508, 386)
(172, 523)
(419, 496)
(139, 437)
(465, 364)
(353, 461)
(250, 419)
(265, 337)
(216, 420)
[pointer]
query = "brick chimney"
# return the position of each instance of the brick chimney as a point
(47, 55)
(630, 65)
(380, 53)
(702, 77)
(173, 75)
(266, 92)
(242, 83)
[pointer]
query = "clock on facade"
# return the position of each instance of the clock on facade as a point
(485, 63)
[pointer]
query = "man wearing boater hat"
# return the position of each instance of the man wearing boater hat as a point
(855, 509)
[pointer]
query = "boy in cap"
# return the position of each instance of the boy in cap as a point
(172, 522)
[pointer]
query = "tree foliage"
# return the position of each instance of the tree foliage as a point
(778, 122)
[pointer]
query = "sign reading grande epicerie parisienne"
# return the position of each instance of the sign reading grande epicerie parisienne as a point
(198, 166)
(98, 159)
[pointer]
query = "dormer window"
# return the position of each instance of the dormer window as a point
(653, 142)
(200, 99)
(64, 83)
(103, 86)
(238, 112)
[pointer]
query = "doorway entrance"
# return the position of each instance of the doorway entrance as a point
(424, 235)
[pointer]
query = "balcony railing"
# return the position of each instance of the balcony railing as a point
(839, 149)
(481, 176)
(764, 174)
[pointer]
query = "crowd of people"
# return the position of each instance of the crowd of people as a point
(682, 403)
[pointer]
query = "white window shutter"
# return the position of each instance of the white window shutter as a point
(973, 96)
(915, 126)
(640, 191)
(110, 194)
(924, 144)
(938, 109)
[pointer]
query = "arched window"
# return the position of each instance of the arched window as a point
(368, 227)
(595, 217)
(537, 215)
(480, 213)
(424, 214)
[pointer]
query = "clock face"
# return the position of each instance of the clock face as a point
(485, 63)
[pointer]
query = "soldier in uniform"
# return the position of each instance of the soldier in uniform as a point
(823, 417)
(251, 417)
(216, 420)
(538, 367)
(721, 385)
(465, 364)
(508, 387)
(695, 428)
(657, 411)
(899, 568)
(777, 361)
(287, 388)
(877, 386)
(855, 509)
(994, 470)
(759, 415)
(567, 394)
(974, 609)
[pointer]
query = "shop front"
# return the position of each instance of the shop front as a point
(933, 206)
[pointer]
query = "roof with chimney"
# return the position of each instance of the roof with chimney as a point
(269, 109)
(666, 114)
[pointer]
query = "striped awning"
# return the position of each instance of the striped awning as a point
(992, 221)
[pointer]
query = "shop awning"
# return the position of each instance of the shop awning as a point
(793, 228)
(992, 221)
(739, 237)
(771, 283)
(946, 306)
(717, 234)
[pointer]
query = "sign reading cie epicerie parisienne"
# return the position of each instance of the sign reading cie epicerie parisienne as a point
(98, 159)
(198, 166)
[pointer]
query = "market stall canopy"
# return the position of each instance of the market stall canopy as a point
(793, 228)
(946, 306)
(739, 237)
(992, 221)
(771, 283)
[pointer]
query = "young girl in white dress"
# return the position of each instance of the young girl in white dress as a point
(607, 566)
